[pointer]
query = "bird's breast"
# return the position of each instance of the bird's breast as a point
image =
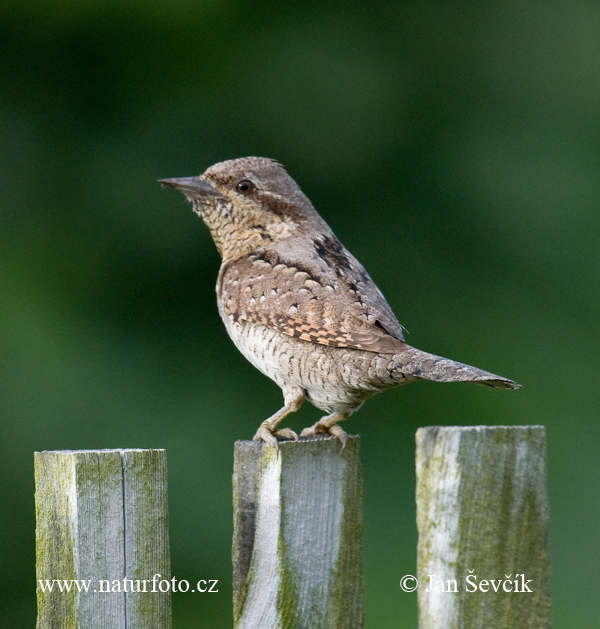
(333, 378)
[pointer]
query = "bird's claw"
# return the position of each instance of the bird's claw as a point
(268, 435)
(286, 433)
(322, 429)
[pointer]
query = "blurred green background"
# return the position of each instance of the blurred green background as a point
(453, 148)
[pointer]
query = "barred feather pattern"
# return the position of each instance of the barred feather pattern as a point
(313, 290)
(337, 379)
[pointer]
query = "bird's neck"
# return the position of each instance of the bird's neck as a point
(235, 239)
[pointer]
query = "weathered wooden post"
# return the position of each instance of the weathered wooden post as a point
(482, 515)
(297, 535)
(102, 519)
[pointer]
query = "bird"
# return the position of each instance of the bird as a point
(298, 305)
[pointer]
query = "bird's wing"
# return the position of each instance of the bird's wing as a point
(314, 290)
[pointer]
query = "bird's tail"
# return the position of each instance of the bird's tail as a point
(423, 366)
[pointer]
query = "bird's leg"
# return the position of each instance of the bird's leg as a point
(268, 432)
(328, 426)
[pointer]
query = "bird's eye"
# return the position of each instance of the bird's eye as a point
(245, 187)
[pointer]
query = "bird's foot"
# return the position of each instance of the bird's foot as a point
(323, 427)
(269, 435)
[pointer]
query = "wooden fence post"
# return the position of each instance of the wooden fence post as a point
(102, 517)
(297, 535)
(482, 516)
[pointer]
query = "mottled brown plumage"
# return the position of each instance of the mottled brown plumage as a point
(298, 305)
(310, 295)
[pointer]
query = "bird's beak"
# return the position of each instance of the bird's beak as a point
(194, 187)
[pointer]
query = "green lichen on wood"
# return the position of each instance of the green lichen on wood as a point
(346, 606)
(287, 593)
(55, 539)
(147, 530)
(253, 461)
(482, 510)
(115, 526)
(511, 534)
(312, 565)
(244, 509)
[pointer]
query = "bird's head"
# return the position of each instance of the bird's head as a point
(249, 203)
